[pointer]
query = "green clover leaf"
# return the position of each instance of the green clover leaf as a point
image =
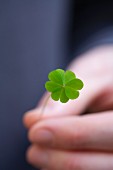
(63, 85)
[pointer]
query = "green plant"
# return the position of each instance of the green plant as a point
(63, 85)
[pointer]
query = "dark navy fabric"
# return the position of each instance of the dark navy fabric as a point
(30, 38)
(92, 24)
(37, 36)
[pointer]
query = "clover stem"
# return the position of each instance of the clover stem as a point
(45, 103)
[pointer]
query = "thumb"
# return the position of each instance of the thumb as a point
(56, 109)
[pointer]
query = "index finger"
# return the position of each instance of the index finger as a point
(56, 109)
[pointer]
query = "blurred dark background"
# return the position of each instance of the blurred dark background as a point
(37, 36)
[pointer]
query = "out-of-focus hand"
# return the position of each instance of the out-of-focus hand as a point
(81, 142)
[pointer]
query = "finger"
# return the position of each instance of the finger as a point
(56, 109)
(91, 132)
(60, 160)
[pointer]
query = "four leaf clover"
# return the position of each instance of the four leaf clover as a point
(63, 85)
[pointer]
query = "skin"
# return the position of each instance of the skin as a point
(63, 137)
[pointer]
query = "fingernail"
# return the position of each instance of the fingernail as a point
(44, 137)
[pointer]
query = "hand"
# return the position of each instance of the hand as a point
(95, 68)
(73, 143)
(96, 96)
